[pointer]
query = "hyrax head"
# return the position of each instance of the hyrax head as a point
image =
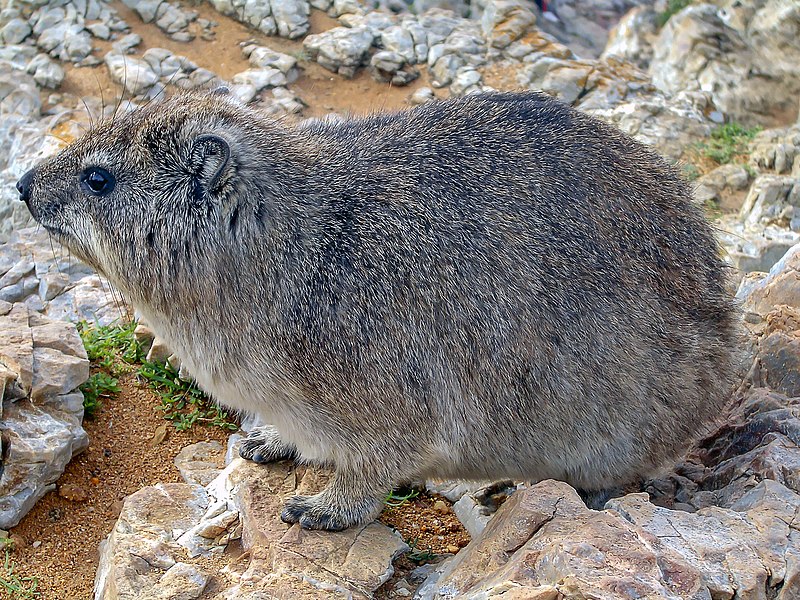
(136, 188)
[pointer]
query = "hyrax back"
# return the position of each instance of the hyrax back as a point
(491, 286)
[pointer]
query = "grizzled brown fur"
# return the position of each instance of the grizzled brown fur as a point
(494, 286)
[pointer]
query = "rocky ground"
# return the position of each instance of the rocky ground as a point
(721, 524)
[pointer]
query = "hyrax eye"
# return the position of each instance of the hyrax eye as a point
(96, 181)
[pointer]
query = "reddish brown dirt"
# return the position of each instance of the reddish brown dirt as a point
(120, 460)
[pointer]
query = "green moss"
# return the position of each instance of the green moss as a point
(673, 7)
(728, 142)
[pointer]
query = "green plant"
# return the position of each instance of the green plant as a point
(673, 7)
(182, 402)
(728, 142)
(416, 555)
(111, 347)
(300, 55)
(397, 497)
(14, 586)
(99, 385)
(690, 172)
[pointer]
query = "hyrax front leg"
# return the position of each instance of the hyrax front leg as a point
(264, 445)
(352, 497)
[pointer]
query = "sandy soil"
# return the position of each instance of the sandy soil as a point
(57, 541)
(320, 89)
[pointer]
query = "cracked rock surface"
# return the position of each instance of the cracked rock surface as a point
(162, 530)
(42, 363)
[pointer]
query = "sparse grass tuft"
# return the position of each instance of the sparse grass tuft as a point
(673, 8)
(728, 143)
(111, 347)
(399, 497)
(182, 402)
(99, 385)
(300, 55)
(115, 351)
(416, 555)
(13, 585)
(690, 172)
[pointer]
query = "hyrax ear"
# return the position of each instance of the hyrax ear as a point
(210, 157)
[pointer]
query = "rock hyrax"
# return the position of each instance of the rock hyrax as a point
(495, 286)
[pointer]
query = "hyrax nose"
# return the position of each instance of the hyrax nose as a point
(24, 186)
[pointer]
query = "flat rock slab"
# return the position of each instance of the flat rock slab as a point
(162, 530)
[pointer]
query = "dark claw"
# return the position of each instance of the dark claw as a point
(292, 514)
(324, 521)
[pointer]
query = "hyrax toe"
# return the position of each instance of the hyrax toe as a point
(264, 445)
(313, 512)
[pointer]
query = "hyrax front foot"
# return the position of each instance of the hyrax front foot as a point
(264, 445)
(344, 503)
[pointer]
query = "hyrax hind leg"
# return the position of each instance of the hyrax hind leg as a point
(354, 495)
(264, 445)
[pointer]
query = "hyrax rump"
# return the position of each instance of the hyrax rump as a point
(495, 286)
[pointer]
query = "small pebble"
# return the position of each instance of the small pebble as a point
(453, 549)
(440, 506)
(72, 492)
(36, 544)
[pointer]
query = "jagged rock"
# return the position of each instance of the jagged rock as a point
(632, 39)
(723, 186)
(345, 7)
(127, 43)
(171, 19)
(584, 25)
(545, 543)
(753, 250)
(200, 463)
(466, 81)
(670, 125)
(261, 78)
(142, 547)
(461, 45)
(749, 64)
(422, 95)
(99, 30)
(82, 294)
(284, 101)
(399, 40)
(46, 73)
(772, 200)
(146, 9)
(167, 525)
(291, 17)
(287, 18)
(15, 31)
(505, 21)
(245, 92)
(22, 135)
(261, 57)
(60, 32)
(777, 150)
(341, 50)
(564, 79)
(781, 286)
(134, 74)
(43, 416)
